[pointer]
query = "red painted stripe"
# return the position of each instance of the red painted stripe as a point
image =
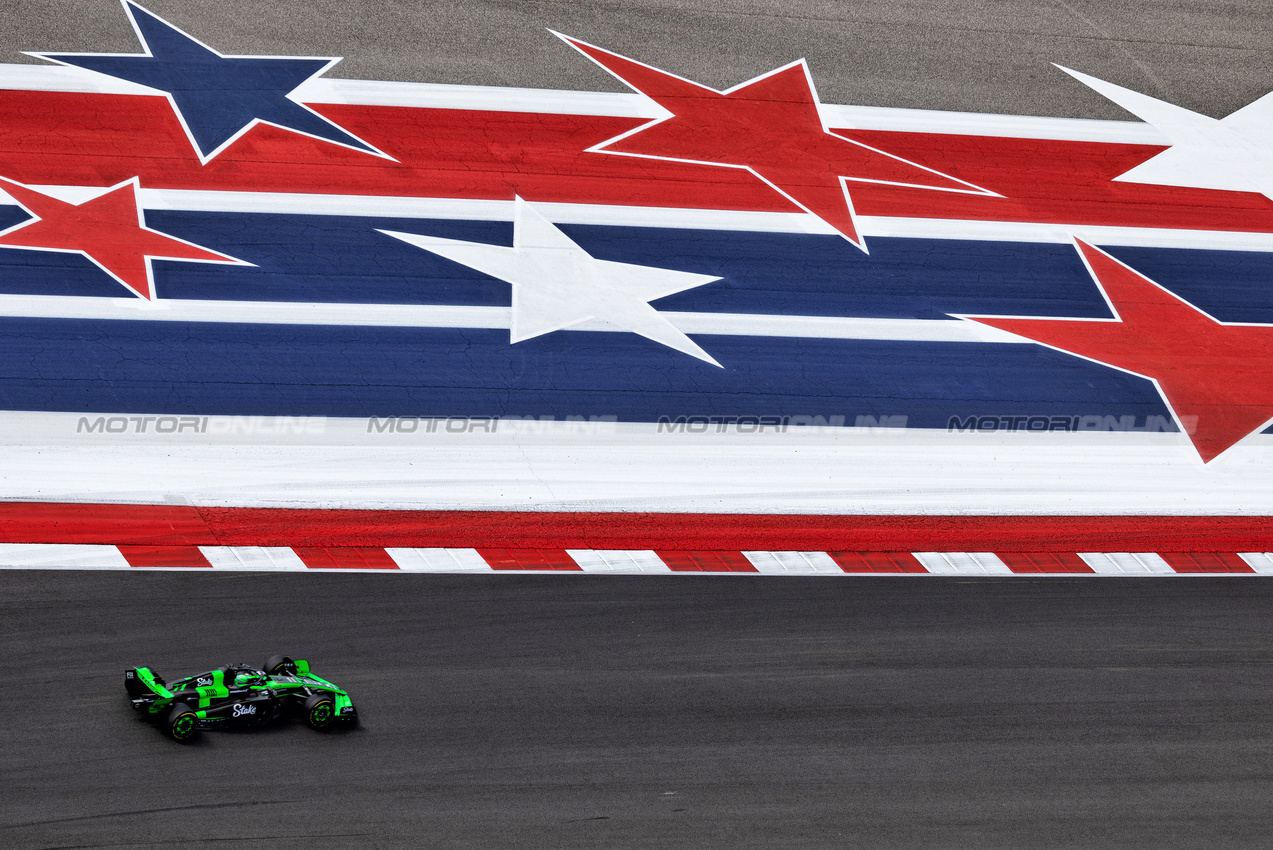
(1044, 180)
(440, 153)
(41, 522)
(346, 558)
(99, 140)
(130, 524)
(679, 561)
(1206, 562)
(163, 556)
(877, 562)
(1044, 562)
(530, 559)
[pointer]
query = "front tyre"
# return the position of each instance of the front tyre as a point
(320, 711)
(279, 665)
(182, 722)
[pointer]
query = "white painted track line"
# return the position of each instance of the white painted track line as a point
(429, 560)
(499, 318)
(1126, 563)
(963, 563)
(618, 561)
(793, 563)
(1261, 562)
(254, 558)
(60, 555)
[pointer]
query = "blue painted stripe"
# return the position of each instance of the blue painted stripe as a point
(344, 259)
(153, 367)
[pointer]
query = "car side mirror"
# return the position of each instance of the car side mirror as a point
(302, 666)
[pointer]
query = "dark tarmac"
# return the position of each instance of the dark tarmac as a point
(631, 712)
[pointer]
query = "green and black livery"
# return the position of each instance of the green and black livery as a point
(237, 696)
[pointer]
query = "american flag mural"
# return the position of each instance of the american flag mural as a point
(678, 319)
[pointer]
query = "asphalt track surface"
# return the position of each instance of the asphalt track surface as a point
(700, 712)
(691, 711)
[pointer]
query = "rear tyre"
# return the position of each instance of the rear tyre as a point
(320, 711)
(279, 665)
(182, 722)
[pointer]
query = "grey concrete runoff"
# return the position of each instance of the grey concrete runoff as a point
(1211, 56)
(634, 712)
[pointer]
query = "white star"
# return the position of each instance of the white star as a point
(1234, 153)
(556, 284)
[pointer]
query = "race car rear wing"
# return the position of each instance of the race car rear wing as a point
(142, 682)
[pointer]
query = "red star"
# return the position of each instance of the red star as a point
(1209, 372)
(770, 126)
(108, 229)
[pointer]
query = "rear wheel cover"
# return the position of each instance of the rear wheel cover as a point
(184, 725)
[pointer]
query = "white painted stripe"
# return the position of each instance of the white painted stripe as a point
(67, 79)
(839, 117)
(1127, 563)
(618, 561)
(793, 563)
(498, 318)
(432, 560)
(51, 556)
(617, 104)
(620, 466)
(252, 558)
(459, 209)
(1008, 231)
(477, 98)
(963, 563)
(1261, 562)
(833, 327)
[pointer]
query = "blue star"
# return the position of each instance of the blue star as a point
(217, 98)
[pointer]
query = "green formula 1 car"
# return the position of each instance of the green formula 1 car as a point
(238, 695)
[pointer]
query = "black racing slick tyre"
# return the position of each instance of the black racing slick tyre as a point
(279, 665)
(182, 723)
(320, 711)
